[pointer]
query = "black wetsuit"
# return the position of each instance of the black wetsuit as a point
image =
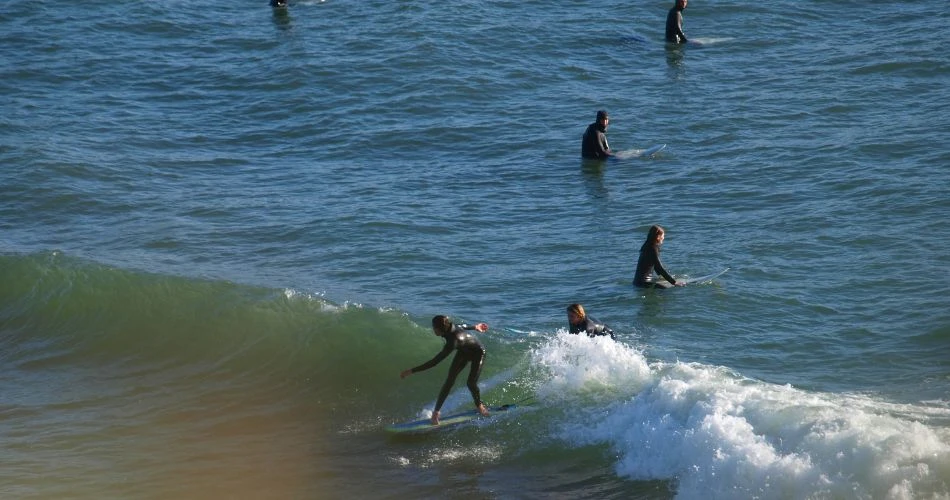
(594, 145)
(648, 261)
(470, 350)
(674, 26)
(592, 327)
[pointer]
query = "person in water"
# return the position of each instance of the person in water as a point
(650, 260)
(578, 321)
(674, 23)
(594, 144)
(469, 350)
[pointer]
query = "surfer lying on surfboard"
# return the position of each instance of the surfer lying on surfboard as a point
(469, 350)
(578, 321)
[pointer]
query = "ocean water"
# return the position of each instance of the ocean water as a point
(225, 229)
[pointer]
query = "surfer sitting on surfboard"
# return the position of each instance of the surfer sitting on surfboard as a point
(469, 349)
(674, 23)
(594, 143)
(579, 321)
(650, 260)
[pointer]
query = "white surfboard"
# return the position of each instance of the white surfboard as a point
(425, 425)
(704, 279)
(640, 153)
(700, 42)
(648, 152)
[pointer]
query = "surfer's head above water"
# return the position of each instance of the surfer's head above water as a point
(575, 313)
(441, 325)
(655, 234)
(579, 321)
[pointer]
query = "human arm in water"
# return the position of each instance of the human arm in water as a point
(674, 26)
(658, 266)
(669, 277)
(595, 328)
(679, 28)
(588, 325)
(604, 148)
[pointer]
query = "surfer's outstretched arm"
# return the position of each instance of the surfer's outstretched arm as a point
(469, 349)
(444, 353)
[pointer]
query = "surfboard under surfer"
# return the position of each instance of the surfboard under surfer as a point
(468, 351)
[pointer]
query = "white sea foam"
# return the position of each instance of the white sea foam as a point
(720, 435)
(461, 454)
(580, 365)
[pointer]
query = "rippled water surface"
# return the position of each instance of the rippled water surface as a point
(225, 229)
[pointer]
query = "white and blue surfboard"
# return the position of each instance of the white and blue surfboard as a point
(425, 425)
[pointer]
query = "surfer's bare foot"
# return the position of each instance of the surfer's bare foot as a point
(435, 418)
(483, 410)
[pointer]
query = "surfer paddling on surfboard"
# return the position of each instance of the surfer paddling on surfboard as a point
(469, 350)
(650, 260)
(578, 321)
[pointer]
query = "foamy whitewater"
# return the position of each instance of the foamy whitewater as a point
(721, 435)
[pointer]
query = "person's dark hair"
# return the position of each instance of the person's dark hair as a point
(602, 115)
(654, 232)
(442, 324)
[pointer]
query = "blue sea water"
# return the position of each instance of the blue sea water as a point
(225, 229)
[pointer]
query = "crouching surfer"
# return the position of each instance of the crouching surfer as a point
(468, 351)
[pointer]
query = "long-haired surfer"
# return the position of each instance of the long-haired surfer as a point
(469, 350)
(578, 321)
(650, 260)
